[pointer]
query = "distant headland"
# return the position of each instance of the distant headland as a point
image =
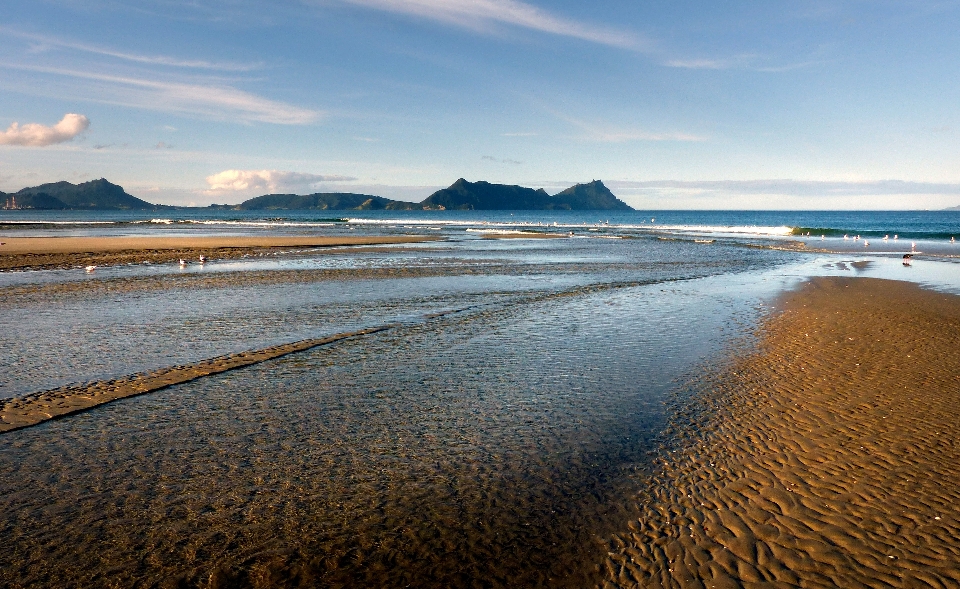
(461, 195)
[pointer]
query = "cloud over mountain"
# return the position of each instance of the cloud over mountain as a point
(267, 180)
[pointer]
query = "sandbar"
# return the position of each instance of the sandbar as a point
(826, 456)
(21, 253)
(36, 408)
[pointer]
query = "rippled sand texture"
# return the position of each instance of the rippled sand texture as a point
(829, 458)
(487, 448)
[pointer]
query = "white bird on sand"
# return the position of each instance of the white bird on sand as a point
(203, 259)
(183, 262)
(865, 243)
(90, 268)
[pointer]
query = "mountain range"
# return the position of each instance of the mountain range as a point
(461, 195)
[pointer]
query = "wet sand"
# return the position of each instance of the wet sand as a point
(36, 408)
(34, 253)
(826, 457)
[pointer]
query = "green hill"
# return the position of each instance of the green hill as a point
(329, 201)
(484, 196)
(96, 194)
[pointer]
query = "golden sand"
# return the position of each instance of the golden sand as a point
(21, 253)
(39, 407)
(828, 458)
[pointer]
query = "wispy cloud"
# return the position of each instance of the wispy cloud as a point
(209, 100)
(701, 64)
(606, 133)
(744, 61)
(518, 135)
(37, 135)
(486, 15)
(788, 187)
(44, 42)
(490, 158)
(267, 180)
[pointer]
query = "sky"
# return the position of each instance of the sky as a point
(802, 104)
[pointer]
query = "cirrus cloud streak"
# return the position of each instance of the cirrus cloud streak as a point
(210, 100)
(482, 15)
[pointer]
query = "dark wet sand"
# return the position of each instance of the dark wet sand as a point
(36, 408)
(35, 253)
(829, 457)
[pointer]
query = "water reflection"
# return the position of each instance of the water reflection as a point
(489, 448)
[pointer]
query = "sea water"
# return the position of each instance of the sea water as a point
(495, 435)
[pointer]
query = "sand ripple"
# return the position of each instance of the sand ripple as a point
(828, 458)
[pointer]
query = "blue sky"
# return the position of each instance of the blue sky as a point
(769, 105)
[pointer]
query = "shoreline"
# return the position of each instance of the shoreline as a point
(827, 456)
(46, 253)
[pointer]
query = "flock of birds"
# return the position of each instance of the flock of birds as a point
(203, 260)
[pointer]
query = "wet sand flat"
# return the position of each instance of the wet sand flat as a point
(36, 408)
(20, 253)
(826, 457)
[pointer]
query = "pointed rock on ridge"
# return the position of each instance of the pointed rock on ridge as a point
(591, 196)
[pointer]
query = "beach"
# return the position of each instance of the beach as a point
(41, 253)
(464, 411)
(825, 457)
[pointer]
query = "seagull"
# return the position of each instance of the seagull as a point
(896, 237)
(845, 236)
(821, 237)
(90, 268)
(906, 259)
(183, 262)
(886, 237)
(203, 259)
(865, 243)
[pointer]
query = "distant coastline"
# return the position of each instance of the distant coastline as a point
(461, 195)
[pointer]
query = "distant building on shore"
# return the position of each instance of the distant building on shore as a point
(11, 204)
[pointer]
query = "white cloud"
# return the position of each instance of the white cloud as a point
(209, 100)
(45, 42)
(480, 15)
(267, 181)
(37, 135)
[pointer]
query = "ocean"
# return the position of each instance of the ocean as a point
(495, 433)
